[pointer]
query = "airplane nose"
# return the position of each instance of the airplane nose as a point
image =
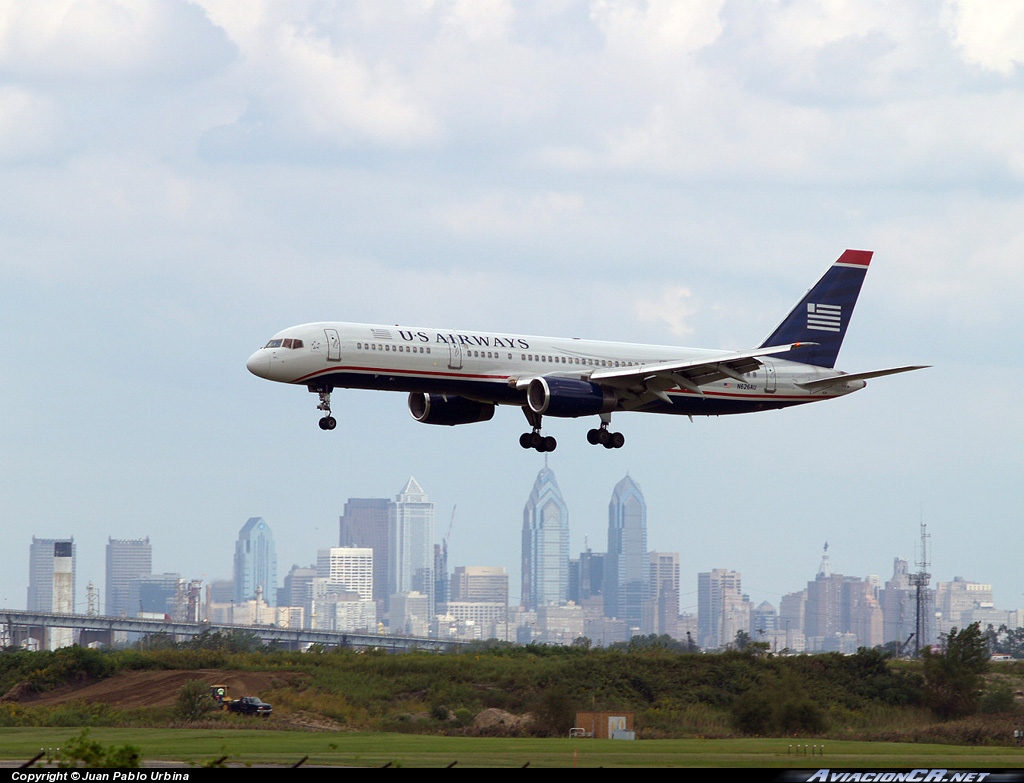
(259, 364)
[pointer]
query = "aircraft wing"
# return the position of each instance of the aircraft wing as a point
(822, 383)
(690, 375)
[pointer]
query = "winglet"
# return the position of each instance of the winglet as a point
(823, 315)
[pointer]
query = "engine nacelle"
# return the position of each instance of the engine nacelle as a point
(568, 397)
(436, 409)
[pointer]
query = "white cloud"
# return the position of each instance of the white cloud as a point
(673, 306)
(336, 93)
(113, 40)
(659, 29)
(504, 214)
(988, 33)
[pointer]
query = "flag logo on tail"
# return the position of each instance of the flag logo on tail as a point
(824, 318)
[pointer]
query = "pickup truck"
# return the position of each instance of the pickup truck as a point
(250, 705)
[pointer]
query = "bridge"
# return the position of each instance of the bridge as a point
(19, 627)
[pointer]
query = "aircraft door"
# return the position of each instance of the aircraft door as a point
(333, 345)
(454, 356)
(770, 381)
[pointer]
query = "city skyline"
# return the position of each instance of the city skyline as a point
(849, 610)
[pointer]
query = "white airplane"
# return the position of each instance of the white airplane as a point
(458, 377)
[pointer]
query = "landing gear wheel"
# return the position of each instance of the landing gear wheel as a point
(602, 436)
(328, 423)
(534, 439)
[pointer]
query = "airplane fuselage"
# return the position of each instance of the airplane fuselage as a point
(488, 367)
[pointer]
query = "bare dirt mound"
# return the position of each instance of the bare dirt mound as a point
(157, 689)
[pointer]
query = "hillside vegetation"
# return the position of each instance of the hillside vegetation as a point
(537, 690)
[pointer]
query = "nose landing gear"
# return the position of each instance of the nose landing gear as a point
(328, 422)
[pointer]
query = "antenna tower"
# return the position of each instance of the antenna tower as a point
(920, 583)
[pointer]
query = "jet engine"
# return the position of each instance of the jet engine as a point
(568, 397)
(448, 409)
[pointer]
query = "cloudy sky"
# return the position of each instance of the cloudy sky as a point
(180, 180)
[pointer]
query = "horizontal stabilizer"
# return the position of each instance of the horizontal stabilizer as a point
(822, 383)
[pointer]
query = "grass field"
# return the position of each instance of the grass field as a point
(242, 747)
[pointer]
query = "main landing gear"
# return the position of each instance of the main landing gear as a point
(328, 422)
(601, 435)
(534, 440)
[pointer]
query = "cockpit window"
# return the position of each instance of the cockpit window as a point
(287, 342)
(273, 344)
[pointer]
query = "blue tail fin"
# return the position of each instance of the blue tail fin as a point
(824, 313)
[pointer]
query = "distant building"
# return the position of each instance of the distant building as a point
(155, 594)
(365, 523)
(255, 563)
(763, 620)
(343, 590)
(898, 604)
(126, 559)
(664, 593)
(473, 620)
(627, 569)
(722, 609)
(842, 612)
(545, 544)
(960, 603)
(297, 589)
(410, 614)
(63, 592)
(487, 584)
(559, 624)
(411, 544)
(351, 568)
(41, 555)
(586, 579)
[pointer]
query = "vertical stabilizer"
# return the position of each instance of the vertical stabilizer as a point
(823, 315)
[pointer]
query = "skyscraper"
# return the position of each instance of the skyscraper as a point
(480, 583)
(411, 543)
(665, 593)
(364, 523)
(722, 609)
(41, 555)
(627, 574)
(255, 563)
(545, 578)
(350, 568)
(126, 559)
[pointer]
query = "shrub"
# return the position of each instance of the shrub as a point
(194, 701)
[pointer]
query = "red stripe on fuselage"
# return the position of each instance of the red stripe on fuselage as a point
(504, 378)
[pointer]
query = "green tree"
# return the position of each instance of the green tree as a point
(954, 676)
